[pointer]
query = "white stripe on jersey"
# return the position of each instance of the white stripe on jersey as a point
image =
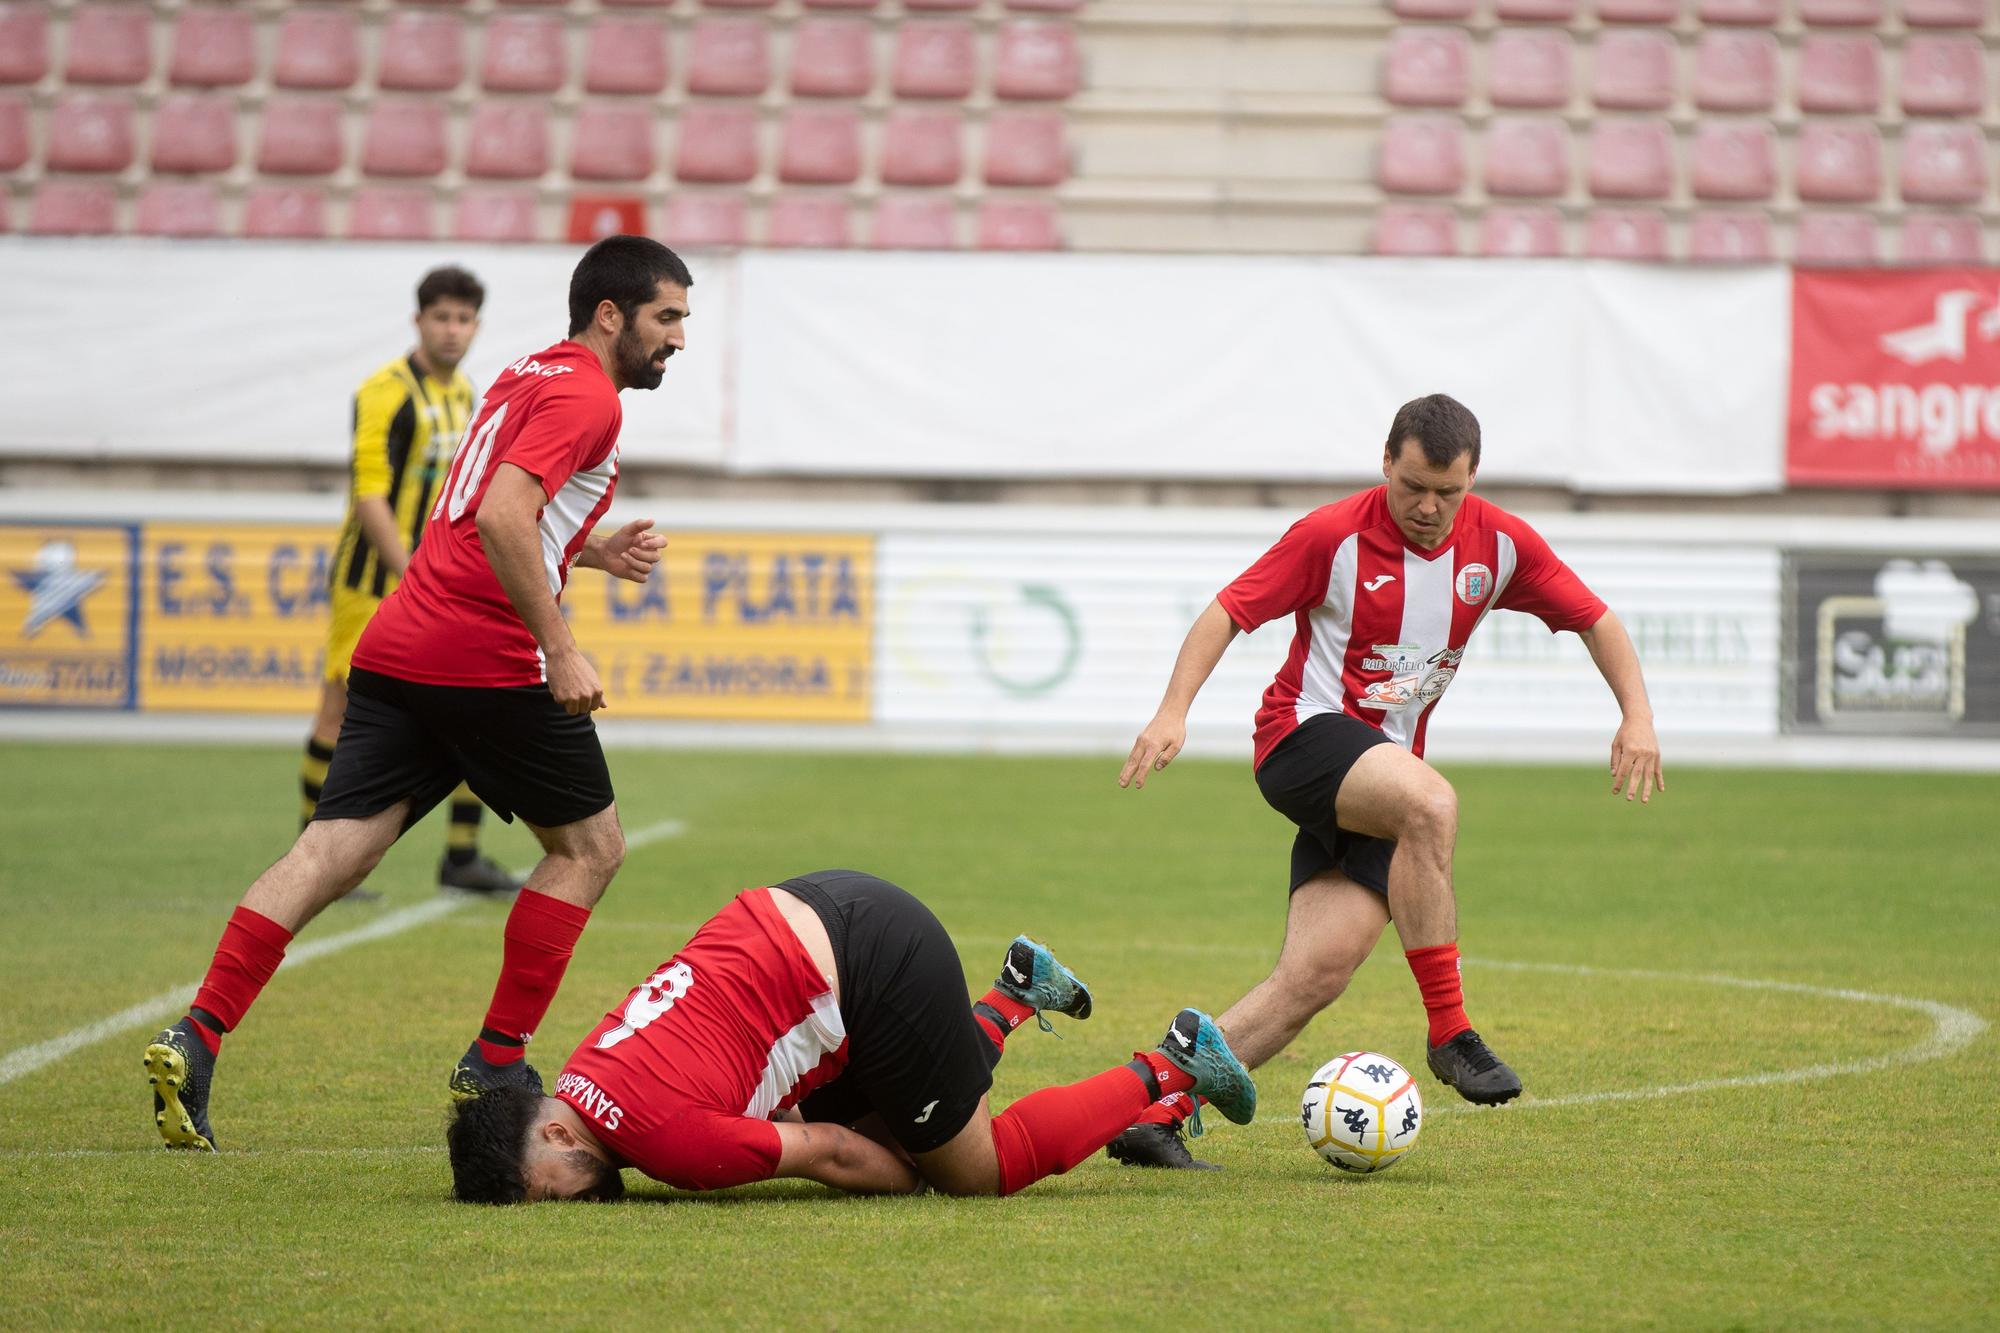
(1504, 575)
(1427, 601)
(795, 1054)
(565, 514)
(1320, 687)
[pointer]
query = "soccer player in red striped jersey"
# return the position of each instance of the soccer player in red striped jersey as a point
(1385, 588)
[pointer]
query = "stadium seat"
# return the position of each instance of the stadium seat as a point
(1943, 163)
(1026, 148)
(194, 132)
(300, 136)
(421, 52)
(1840, 74)
(914, 222)
(507, 140)
(921, 147)
(1735, 71)
(717, 143)
(729, 57)
(1841, 13)
(1427, 67)
(1753, 12)
(1631, 159)
(1941, 238)
(1730, 238)
(820, 145)
(317, 48)
(284, 213)
(524, 53)
(739, 4)
(1734, 160)
(1638, 11)
(178, 208)
(24, 43)
(935, 59)
(1415, 229)
(697, 220)
(832, 58)
(1944, 13)
(1535, 11)
(611, 141)
(1943, 75)
(1018, 224)
(6, 213)
(213, 48)
(1521, 233)
(14, 140)
(404, 136)
(1036, 61)
(1421, 155)
(1835, 238)
(1434, 9)
(915, 5)
(1527, 156)
(815, 221)
(592, 217)
(110, 44)
(494, 215)
(1045, 6)
(1633, 71)
(1528, 67)
(1839, 162)
(558, 4)
(90, 132)
(74, 208)
(626, 55)
(400, 214)
(841, 4)
(1625, 233)
(637, 4)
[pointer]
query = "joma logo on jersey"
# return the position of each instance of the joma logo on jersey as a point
(1473, 584)
(527, 365)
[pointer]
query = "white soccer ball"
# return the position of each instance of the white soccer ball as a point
(1362, 1112)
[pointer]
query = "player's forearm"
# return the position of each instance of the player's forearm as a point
(592, 554)
(837, 1156)
(378, 524)
(1206, 641)
(1618, 662)
(513, 547)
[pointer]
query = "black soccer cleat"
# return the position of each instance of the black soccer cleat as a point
(481, 875)
(1467, 1065)
(475, 1076)
(178, 1069)
(1153, 1144)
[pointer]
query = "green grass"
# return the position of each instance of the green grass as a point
(1860, 1200)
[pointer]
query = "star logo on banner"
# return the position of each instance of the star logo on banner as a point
(56, 588)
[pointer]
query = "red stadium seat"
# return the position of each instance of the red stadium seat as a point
(592, 217)
(1943, 164)
(729, 58)
(1943, 75)
(1045, 6)
(1631, 159)
(90, 132)
(284, 213)
(213, 48)
(300, 136)
(1840, 74)
(524, 54)
(1839, 162)
(1036, 61)
(820, 145)
(1529, 67)
(399, 214)
(1527, 156)
(1633, 71)
(404, 137)
(1535, 11)
(1841, 13)
(1415, 229)
(1944, 13)
(194, 132)
(1730, 238)
(637, 4)
(1835, 238)
(1941, 238)
(1638, 11)
(178, 208)
(922, 147)
(1026, 148)
(73, 208)
(421, 52)
(1019, 224)
(14, 143)
(1625, 233)
(1736, 71)
(558, 4)
(915, 5)
(495, 215)
(1521, 233)
(717, 144)
(914, 222)
(110, 44)
(626, 55)
(611, 141)
(1427, 67)
(6, 213)
(1753, 12)
(841, 4)
(507, 141)
(934, 60)
(814, 221)
(738, 4)
(1734, 160)
(832, 58)
(697, 220)
(1421, 155)
(317, 48)
(1433, 9)
(24, 44)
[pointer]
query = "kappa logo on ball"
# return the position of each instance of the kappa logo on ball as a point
(1474, 584)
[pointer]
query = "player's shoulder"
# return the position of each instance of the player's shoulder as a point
(567, 372)
(1343, 518)
(391, 377)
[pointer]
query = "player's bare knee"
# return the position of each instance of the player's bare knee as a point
(1431, 814)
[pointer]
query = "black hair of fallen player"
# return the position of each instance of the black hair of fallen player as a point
(488, 1143)
(624, 270)
(1442, 426)
(450, 283)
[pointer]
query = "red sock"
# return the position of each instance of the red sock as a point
(1170, 1076)
(541, 934)
(1001, 1015)
(1436, 971)
(1048, 1132)
(251, 948)
(1171, 1109)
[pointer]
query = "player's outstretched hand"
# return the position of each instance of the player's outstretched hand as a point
(633, 550)
(1154, 750)
(1635, 761)
(573, 681)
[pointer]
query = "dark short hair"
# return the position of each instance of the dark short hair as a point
(449, 283)
(1442, 426)
(624, 270)
(488, 1142)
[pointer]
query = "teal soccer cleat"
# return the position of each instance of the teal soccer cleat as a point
(1032, 976)
(1196, 1045)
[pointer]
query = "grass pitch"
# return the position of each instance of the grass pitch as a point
(1861, 1198)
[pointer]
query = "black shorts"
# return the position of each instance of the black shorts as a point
(521, 753)
(1300, 779)
(915, 1055)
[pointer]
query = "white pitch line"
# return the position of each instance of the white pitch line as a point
(652, 833)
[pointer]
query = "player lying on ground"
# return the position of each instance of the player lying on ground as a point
(820, 1029)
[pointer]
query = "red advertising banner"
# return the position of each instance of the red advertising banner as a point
(1895, 379)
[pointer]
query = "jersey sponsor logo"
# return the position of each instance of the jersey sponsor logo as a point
(527, 365)
(1443, 666)
(1473, 584)
(1413, 676)
(925, 1117)
(592, 1100)
(654, 997)
(1378, 581)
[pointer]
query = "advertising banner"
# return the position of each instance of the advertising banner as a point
(1895, 379)
(69, 603)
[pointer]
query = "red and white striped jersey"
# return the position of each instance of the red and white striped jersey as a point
(449, 622)
(1382, 623)
(682, 1079)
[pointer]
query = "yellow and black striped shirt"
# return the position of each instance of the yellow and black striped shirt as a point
(406, 428)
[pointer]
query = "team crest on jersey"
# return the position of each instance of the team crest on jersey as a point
(1474, 584)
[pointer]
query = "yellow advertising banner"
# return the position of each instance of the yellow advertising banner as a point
(68, 607)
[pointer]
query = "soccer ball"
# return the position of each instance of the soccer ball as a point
(1362, 1112)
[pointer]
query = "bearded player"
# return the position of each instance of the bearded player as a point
(468, 671)
(820, 1029)
(1384, 587)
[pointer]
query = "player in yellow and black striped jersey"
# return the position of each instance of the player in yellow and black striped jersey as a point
(408, 417)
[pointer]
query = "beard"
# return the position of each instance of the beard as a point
(635, 362)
